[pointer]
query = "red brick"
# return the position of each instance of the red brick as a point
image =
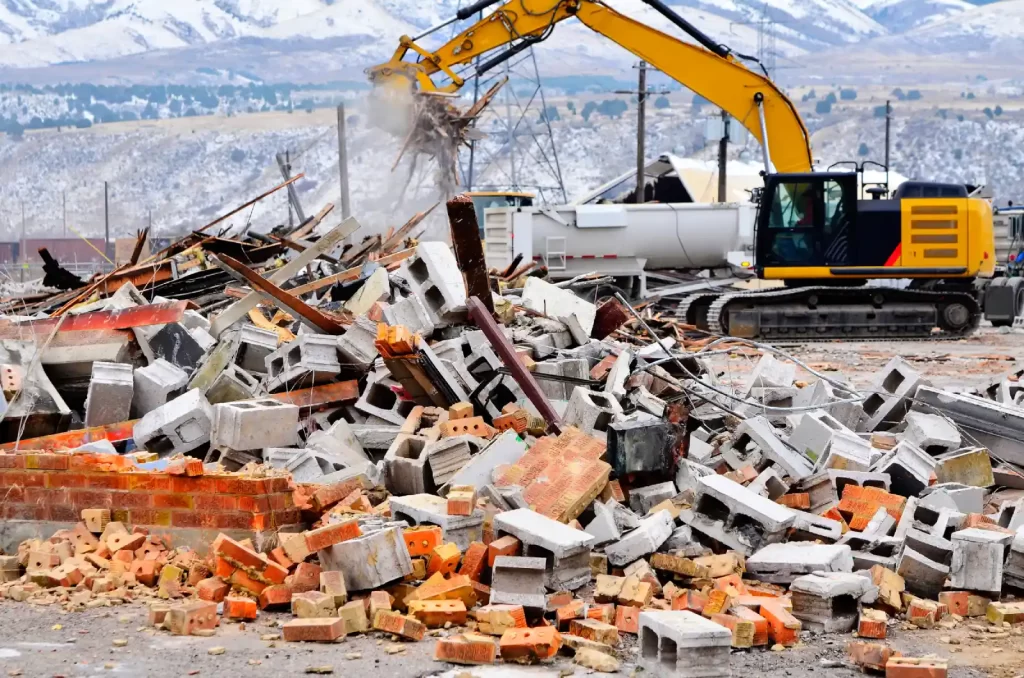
(321, 629)
(797, 500)
(281, 558)
(759, 622)
(535, 643)
(393, 622)
(92, 499)
(783, 628)
(506, 546)
(422, 540)
(276, 597)
(912, 667)
(869, 655)
(305, 578)
(12, 461)
(61, 513)
(108, 481)
(444, 559)
(956, 601)
(330, 535)
(474, 560)
(627, 619)
(145, 571)
(148, 482)
(183, 619)
(470, 649)
(254, 504)
(212, 589)
(22, 512)
(215, 502)
(240, 579)
(236, 607)
(25, 478)
(872, 624)
(47, 462)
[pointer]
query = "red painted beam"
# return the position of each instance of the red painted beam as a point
(123, 319)
(69, 440)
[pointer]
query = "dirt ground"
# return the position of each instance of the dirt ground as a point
(47, 642)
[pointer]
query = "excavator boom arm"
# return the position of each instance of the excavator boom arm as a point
(714, 75)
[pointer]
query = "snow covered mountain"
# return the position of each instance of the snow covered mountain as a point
(902, 15)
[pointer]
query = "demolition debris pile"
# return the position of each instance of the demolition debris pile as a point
(388, 437)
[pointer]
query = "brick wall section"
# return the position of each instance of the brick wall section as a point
(56, 487)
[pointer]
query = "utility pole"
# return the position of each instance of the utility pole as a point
(24, 250)
(723, 157)
(106, 219)
(64, 200)
(346, 205)
(641, 128)
(285, 163)
(888, 126)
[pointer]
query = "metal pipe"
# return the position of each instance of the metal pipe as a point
(703, 38)
(479, 6)
(434, 29)
(759, 100)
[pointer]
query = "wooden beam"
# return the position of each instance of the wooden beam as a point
(348, 275)
(311, 224)
(312, 316)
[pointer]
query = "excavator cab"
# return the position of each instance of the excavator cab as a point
(484, 199)
(807, 221)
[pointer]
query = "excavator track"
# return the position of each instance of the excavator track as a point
(853, 313)
(693, 310)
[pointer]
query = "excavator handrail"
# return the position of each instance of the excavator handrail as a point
(710, 71)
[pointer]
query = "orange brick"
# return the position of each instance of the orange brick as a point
(474, 560)
(604, 612)
(471, 649)
(422, 540)
(759, 622)
(566, 613)
(474, 426)
(393, 622)
(732, 584)
(958, 602)
(436, 613)
(305, 578)
(183, 619)
(506, 546)
(591, 629)
(872, 624)
(223, 568)
(213, 589)
(912, 667)
(869, 655)
(241, 580)
(797, 500)
(783, 628)
(461, 501)
(281, 558)
(329, 535)
(496, 619)
(239, 608)
(460, 411)
(627, 619)
(694, 601)
(719, 602)
(317, 629)
(444, 559)
(529, 644)
(275, 597)
(923, 613)
(145, 571)
(741, 629)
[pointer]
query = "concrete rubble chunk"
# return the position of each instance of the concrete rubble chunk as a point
(932, 433)
(544, 298)
(782, 563)
(653, 531)
(770, 372)
(111, 389)
(996, 426)
(643, 499)
(760, 431)
(729, 513)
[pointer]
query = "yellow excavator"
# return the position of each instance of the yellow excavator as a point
(813, 230)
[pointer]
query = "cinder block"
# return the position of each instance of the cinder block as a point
(554, 302)
(358, 346)
(1013, 573)
(888, 401)
(428, 509)
(681, 643)
(155, 384)
(566, 550)
(310, 359)
(370, 561)
(782, 563)
(640, 447)
(830, 602)
(768, 484)
(571, 367)
(411, 313)
(813, 436)
(978, 559)
(729, 513)
(933, 433)
(964, 498)
(109, 399)
(849, 452)
(436, 281)
(234, 384)
(967, 467)
(254, 346)
(173, 343)
(644, 540)
(519, 580)
(924, 577)
(254, 424)
(909, 468)
(643, 499)
(770, 372)
(180, 426)
(380, 400)
(592, 412)
(761, 432)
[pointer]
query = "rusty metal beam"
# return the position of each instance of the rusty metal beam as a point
(121, 319)
(115, 433)
(312, 316)
(321, 397)
(469, 250)
(350, 274)
(507, 353)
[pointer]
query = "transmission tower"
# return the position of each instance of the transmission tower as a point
(766, 50)
(517, 150)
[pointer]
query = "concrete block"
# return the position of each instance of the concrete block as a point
(890, 391)
(411, 313)
(770, 372)
(966, 467)
(782, 563)
(503, 449)
(978, 560)
(909, 468)
(768, 484)
(592, 412)
(566, 550)
(645, 401)
(813, 435)
(254, 347)
(933, 433)
(811, 527)
(428, 509)
(180, 426)
(640, 447)
(205, 340)
(681, 643)
(446, 457)
(934, 547)
(358, 345)
(966, 499)
(1013, 569)
(376, 287)
(729, 513)
(518, 581)
(615, 385)
(155, 384)
(434, 277)
(924, 576)
(379, 399)
(760, 431)
(683, 543)
(849, 452)
(254, 424)
(830, 602)
(643, 499)
(1011, 515)
(370, 561)
(109, 399)
(234, 384)
(554, 302)
(653, 531)
(688, 475)
(310, 359)
(603, 528)
(173, 343)
(571, 367)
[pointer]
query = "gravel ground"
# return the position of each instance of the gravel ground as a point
(47, 642)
